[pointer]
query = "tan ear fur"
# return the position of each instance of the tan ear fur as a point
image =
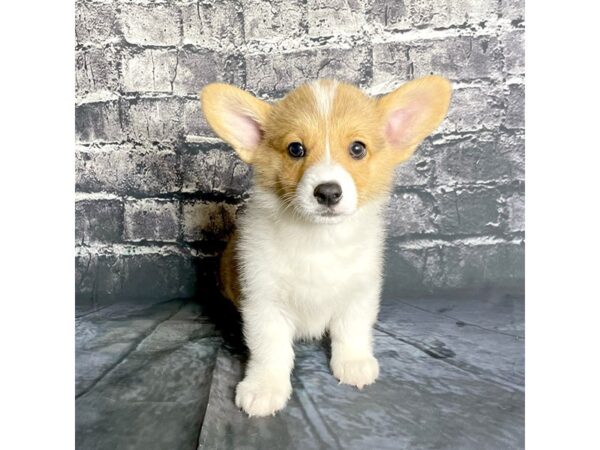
(236, 116)
(412, 112)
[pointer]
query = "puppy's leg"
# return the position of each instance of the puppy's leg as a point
(351, 331)
(266, 387)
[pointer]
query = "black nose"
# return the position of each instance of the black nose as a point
(328, 193)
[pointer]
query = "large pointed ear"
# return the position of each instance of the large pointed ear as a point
(412, 112)
(236, 116)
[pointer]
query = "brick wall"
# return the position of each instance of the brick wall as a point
(157, 193)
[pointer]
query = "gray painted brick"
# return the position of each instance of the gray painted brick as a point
(335, 17)
(96, 69)
(407, 15)
(154, 119)
(391, 61)
(271, 19)
(197, 68)
(214, 170)
(513, 10)
(207, 220)
(194, 122)
(454, 267)
(107, 278)
(151, 70)
(151, 220)
(410, 213)
(467, 211)
(155, 24)
(513, 43)
(391, 14)
(278, 73)
(127, 171)
(99, 122)
(475, 108)
(515, 108)
(515, 205)
(140, 65)
(98, 221)
(95, 23)
(418, 170)
(213, 24)
(498, 265)
(481, 157)
(513, 143)
(460, 58)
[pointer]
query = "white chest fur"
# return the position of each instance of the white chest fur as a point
(308, 271)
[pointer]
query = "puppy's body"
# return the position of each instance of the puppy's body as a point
(298, 280)
(307, 256)
(310, 272)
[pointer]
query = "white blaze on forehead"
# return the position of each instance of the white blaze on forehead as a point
(324, 93)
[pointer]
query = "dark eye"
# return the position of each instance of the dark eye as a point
(296, 150)
(357, 150)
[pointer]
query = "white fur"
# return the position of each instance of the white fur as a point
(300, 278)
(324, 94)
(304, 200)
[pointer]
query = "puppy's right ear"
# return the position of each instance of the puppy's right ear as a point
(236, 116)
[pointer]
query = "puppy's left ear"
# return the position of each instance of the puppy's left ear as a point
(412, 112)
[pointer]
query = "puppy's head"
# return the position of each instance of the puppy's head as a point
(326, 148)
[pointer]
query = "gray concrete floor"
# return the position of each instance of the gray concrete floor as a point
(162, 376)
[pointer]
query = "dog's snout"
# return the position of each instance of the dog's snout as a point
(328, 193)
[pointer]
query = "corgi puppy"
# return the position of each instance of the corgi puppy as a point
(307, 255)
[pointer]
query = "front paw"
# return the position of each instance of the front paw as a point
(357, 372)
(262, 397)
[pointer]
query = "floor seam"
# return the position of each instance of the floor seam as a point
(462, 321)
(88, 313)
(129, 352)
(481, 375)
(210, 386)
(317, 430)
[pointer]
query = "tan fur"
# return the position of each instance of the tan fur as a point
(217, 99)
(229, 273)
(354, 117)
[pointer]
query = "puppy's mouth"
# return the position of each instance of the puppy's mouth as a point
(330, 213)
